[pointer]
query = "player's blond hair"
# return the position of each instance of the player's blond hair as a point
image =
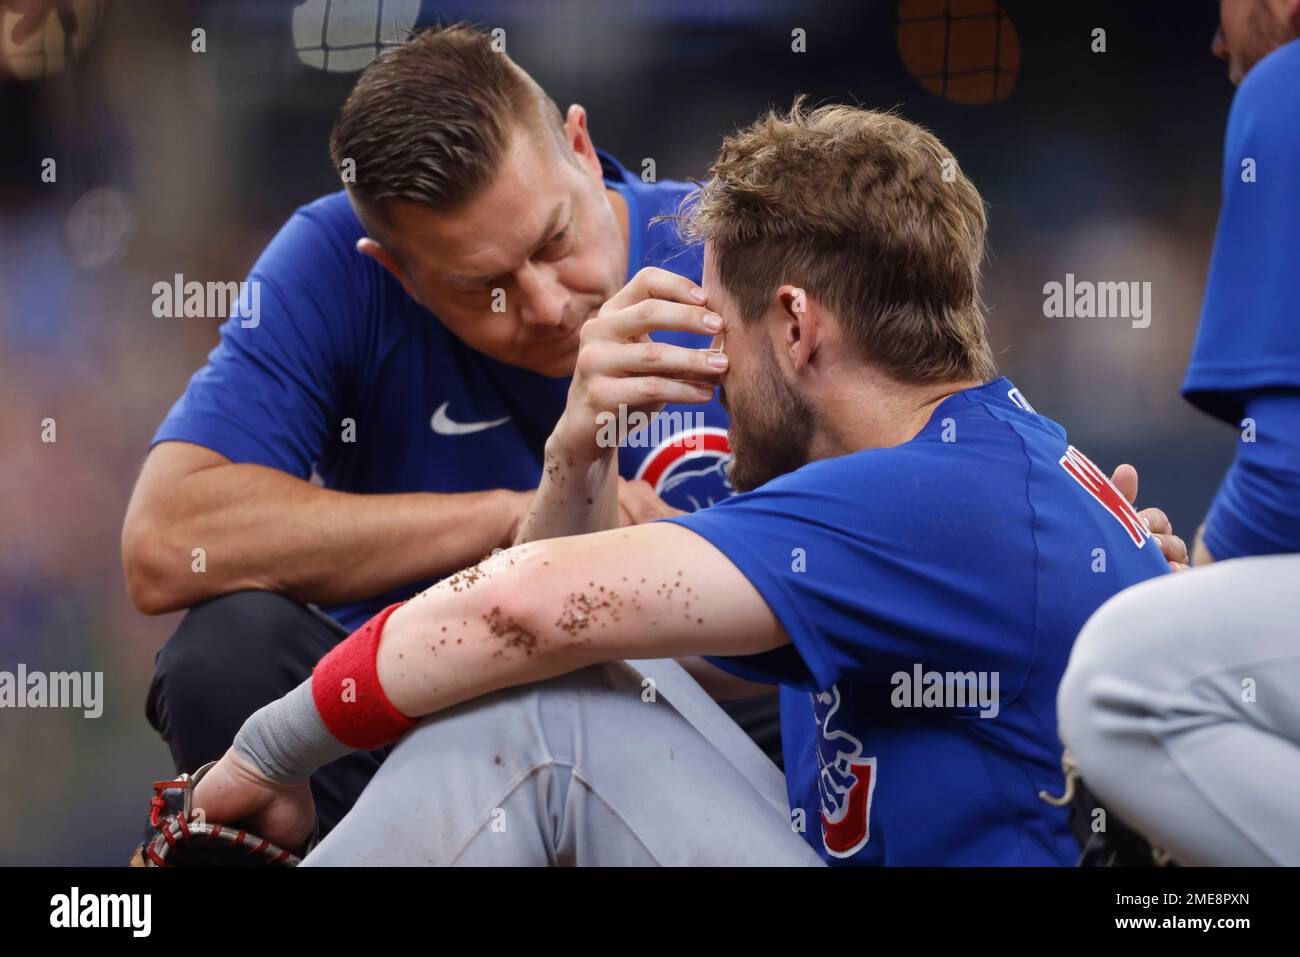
(870, 216)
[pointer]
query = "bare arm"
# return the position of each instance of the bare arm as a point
(261, 528)
(548, 608)
(523, 615)
(573, 497)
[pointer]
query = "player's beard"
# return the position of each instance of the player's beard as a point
(771, 426)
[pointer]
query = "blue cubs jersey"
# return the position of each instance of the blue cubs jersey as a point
(1249, 336)
(931, 593)
(338, 338)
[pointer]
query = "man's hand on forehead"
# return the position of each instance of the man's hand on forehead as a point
(620, 366)
(622, 377)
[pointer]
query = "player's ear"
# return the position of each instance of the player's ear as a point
(578, 139)
(799, 323)
(1293, 15)
(368, 247)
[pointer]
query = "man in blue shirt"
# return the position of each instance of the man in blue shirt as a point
(1245, 366)
(912, 553)
(1180, 704)
(411, 352)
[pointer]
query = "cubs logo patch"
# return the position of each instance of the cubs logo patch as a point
(688, 469)
(846, 779)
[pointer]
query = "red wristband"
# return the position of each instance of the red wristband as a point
(345, 686)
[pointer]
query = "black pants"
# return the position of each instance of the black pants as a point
(233, 654)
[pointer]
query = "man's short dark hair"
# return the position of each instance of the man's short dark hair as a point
(429, 121)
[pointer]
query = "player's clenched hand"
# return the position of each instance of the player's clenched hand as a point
(1171, 546)
(619, 366)
(235, 792)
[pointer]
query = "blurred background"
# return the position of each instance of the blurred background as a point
(167, 160)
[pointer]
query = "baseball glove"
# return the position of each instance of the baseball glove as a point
(177, 836)
(1114, 845)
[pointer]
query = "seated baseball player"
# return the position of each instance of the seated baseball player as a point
(911, 554)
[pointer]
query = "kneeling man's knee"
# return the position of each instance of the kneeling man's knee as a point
(226, 659)
(1117, 664)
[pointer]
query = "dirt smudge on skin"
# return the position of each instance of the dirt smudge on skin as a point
(466, 578)
(509, 632)
(582, 610)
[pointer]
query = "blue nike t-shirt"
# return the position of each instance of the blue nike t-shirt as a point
(346, 375)
(932, 592)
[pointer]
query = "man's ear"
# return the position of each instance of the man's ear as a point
(368, 247)
(1293, 15)
(579, 140)
(800, 323)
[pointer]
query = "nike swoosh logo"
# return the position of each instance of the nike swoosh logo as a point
(445, 426)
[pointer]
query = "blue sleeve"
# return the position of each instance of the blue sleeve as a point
(1257, 509)
(873, 570)
(1249, 333)
(271, 390)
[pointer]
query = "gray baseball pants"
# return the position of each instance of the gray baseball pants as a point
(593, 768)
(1181, 704)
